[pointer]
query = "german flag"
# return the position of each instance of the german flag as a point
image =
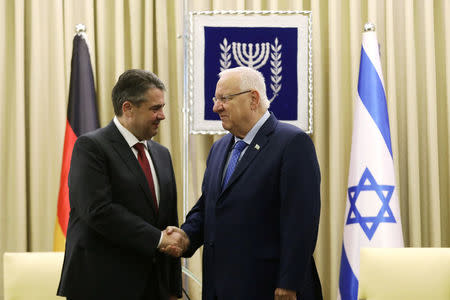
(82, 117)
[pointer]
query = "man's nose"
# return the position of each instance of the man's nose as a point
(217, 106)
(161, 115)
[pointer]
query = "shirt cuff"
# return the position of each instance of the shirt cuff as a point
(160, 239)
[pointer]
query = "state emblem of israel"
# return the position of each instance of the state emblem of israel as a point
(272, 51)
(254, 55)
(275, 43)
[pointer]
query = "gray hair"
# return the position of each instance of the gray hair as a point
(250, 79)
(132, 86)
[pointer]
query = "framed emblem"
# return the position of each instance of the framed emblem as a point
(276, 43)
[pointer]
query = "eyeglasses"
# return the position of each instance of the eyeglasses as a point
(227, 98)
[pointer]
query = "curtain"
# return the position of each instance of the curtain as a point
(35, 52)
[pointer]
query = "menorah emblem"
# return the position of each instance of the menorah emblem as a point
(249, 58)
(255, 55)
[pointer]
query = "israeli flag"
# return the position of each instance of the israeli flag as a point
(372, 214)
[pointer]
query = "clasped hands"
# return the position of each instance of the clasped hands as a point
(174, 242)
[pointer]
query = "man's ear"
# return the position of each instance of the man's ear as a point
(255, 100)
(127, 108)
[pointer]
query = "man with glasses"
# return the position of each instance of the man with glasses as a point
(258, 215)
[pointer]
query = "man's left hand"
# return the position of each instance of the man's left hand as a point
(282, 294)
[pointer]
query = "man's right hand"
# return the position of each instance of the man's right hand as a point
(175, 241)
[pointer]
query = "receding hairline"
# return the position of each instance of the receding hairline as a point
(238, 72)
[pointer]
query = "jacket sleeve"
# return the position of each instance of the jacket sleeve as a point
(299, 212)
(175, 263)
(91, 196)
(194, 227)
(195, 219)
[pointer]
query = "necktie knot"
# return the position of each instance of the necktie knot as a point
(139, 147)
(239, 146)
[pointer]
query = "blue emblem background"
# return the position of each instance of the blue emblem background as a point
(285, 104)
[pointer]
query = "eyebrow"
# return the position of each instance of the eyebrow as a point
(158, 106)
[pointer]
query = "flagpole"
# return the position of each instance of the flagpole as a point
(369, 27)
(372, 215)
(82, 117)
(80, 28)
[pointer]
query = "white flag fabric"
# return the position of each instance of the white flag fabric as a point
(372, 214)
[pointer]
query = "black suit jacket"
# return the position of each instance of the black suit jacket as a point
(114, 230)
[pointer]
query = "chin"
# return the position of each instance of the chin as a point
(147, 137)
(225, 126)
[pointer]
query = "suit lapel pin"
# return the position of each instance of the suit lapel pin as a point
(257, 147)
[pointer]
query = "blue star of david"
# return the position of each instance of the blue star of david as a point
(384, 215)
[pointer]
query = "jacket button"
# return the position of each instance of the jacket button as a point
(154, 260)
(211, 244)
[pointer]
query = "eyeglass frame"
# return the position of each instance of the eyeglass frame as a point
(227, 98)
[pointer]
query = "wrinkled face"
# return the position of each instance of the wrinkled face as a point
(144, 119)
(235, 112)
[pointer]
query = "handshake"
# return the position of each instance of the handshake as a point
(174, 242)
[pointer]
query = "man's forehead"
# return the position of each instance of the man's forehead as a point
(228, 81)
(154, 96)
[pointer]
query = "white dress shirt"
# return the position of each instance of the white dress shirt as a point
(131, 141)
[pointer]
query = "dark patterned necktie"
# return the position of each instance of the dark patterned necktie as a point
(237, 150)
(145, 165)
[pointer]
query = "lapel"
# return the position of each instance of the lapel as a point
(123, 150)
(158, 164)
(258, 143)
(222, 156)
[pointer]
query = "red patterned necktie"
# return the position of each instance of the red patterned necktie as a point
(145, 165)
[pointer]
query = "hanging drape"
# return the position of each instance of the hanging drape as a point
(35, 52)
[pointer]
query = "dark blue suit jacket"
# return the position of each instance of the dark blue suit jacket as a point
(260, 231)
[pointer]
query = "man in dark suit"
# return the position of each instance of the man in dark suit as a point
(122, 194)
(258, 215)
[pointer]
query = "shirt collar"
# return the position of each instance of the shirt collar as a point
(127, 135)
(252, 133)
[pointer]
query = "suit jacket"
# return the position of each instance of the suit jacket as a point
(113, 233)
(260, 231)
